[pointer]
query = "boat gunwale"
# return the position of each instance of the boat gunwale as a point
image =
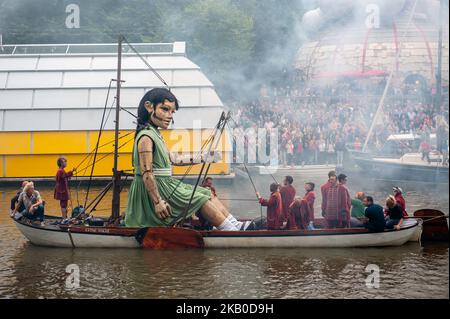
(131, 231)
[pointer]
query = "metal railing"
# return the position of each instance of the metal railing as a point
(88, 48)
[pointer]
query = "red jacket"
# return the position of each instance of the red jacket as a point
(310, 198)
(323, 190)
(62, 184)
(274, 210)
(401, 201)
(303, 211)
(345, 204)
(287, 197)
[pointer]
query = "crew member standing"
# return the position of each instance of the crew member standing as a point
(274, 207)
(287, 192)
(62, 185)
(344, 202)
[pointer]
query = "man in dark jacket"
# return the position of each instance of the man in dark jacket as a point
(375, 214)
(15, 199)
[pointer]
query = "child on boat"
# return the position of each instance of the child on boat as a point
(274, 207)
(62, 185)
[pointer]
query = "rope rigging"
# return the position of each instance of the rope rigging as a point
(220, 127)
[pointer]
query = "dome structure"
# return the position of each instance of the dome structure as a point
(353, 45)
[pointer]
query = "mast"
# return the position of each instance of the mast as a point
(116, 173)
(389, 79)
(438, 97)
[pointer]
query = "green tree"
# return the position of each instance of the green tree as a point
(219, 36)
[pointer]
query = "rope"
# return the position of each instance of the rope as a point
(107, 154)
(103, 122)
(248, 173)
(145, 62)
(210, 139)
(234, 139)
(222, 122)
(388, 82)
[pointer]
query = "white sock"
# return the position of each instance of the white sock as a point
(239, 225)
(227, 225)
(232, 219)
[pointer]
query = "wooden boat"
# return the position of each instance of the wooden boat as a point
(435, 225)
(52, 234)
(409, 166)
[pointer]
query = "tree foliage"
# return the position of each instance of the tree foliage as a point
(234, 41)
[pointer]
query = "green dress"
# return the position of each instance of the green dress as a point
(140, 211)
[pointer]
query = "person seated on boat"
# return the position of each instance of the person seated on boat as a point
(155, 197)
(32, 203)
(208, 183)
(398, 195)
(394, 214)
(274, 207)
(303, 208)
(375, 215)
(15, 199)
(61, 192)
(287, 192)
(357, 211)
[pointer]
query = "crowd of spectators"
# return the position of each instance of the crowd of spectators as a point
(318, 126)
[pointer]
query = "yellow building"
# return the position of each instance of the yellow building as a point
(52, 99)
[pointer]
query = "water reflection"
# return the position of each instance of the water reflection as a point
(407, 271)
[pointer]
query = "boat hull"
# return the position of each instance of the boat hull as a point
(115, 237)
(399, 171)
(58, 238)
(311, 240)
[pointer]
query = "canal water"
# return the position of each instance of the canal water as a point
(411, 271)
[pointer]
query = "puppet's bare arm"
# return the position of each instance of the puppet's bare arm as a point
(145, 150)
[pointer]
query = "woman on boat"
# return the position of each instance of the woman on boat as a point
(156, 198)
(394, 214)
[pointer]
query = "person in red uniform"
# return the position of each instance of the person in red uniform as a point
(398, 195)
(303, 208)
(334, 199)
(208, 183)
(274, 207)
(324, 189)
(287, 192)
(62, 185)
(345, 201)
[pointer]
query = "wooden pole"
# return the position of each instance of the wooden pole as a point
(116, 173)
(438, 97)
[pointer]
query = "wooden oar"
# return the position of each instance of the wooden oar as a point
(169, 238)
